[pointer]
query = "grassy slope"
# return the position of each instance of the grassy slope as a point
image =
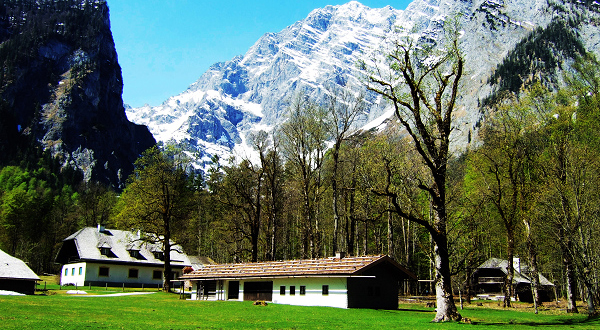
(166, 311)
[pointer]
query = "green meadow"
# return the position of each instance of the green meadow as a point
(58, 310)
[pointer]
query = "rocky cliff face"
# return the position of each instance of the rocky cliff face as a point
(61, 88)
(252, 92)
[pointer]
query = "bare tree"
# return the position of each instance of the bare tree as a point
(431, 80)
(303, 138)
(343, 108)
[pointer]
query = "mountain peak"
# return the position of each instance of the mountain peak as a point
(250, 93)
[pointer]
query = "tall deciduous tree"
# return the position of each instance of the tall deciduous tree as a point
(570, 198)
(503, 171)
(303, 138)
(423, 86)
(242, 191)
(343, 108)
(157, 201)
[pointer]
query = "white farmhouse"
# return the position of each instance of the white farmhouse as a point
(100, 256)
(344, 282)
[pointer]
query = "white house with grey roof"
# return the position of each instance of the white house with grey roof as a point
(15, 275)
(100, 256)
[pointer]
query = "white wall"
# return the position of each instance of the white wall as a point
(73, 274)
(116, 274)
(337, 297)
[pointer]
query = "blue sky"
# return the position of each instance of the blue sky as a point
(166, 45)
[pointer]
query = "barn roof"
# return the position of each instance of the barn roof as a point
(347, 266)
(87, 244)
(519, 277)
(13, 268)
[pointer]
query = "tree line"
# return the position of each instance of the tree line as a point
(316, 187)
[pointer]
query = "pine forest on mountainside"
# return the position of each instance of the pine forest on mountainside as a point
(527, 188)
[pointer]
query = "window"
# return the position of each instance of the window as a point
(292, 290)
(73, 271)
(159, 255)
(325, 290)
(133, 273)
(105, 251)
(134, 254)
(103, 271)
(66, 271)
(282, 290)
(157, 275)
(302, 290)
(80, 270)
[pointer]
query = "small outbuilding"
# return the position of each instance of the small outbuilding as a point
(15, 275)
(344, 282)
(489, 277)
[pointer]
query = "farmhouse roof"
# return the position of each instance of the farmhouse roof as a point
(14, 268)
(519, 276)
(87, 245)
(348, 266)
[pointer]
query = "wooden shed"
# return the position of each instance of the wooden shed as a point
(15, 275)
(345, 282)
(488, 281)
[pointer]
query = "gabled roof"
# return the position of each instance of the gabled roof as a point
(519, 277)
(13, 268)
(348, 266)
(87, 245)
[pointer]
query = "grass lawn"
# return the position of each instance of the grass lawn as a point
(167, 311)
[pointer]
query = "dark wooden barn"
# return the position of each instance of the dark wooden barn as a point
(488, 280)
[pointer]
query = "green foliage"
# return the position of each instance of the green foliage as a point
(536, 58)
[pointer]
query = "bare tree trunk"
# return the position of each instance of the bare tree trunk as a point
(167, 260)
(535, 283)
(508, 283)
(390, 235)
(586, 275)
(571, 282)
(468, 284)
(334, 188)
(446, 309)
(352, 234)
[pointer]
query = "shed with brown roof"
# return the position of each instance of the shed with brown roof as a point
(346, 282)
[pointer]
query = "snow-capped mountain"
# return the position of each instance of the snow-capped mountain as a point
(252, 92)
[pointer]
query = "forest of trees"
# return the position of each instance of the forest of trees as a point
(528, 189)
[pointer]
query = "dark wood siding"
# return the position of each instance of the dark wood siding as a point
(380, 292)
(16, 285)
(258, 291)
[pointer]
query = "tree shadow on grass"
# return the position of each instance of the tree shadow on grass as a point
(414, 310)
(589, 321)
